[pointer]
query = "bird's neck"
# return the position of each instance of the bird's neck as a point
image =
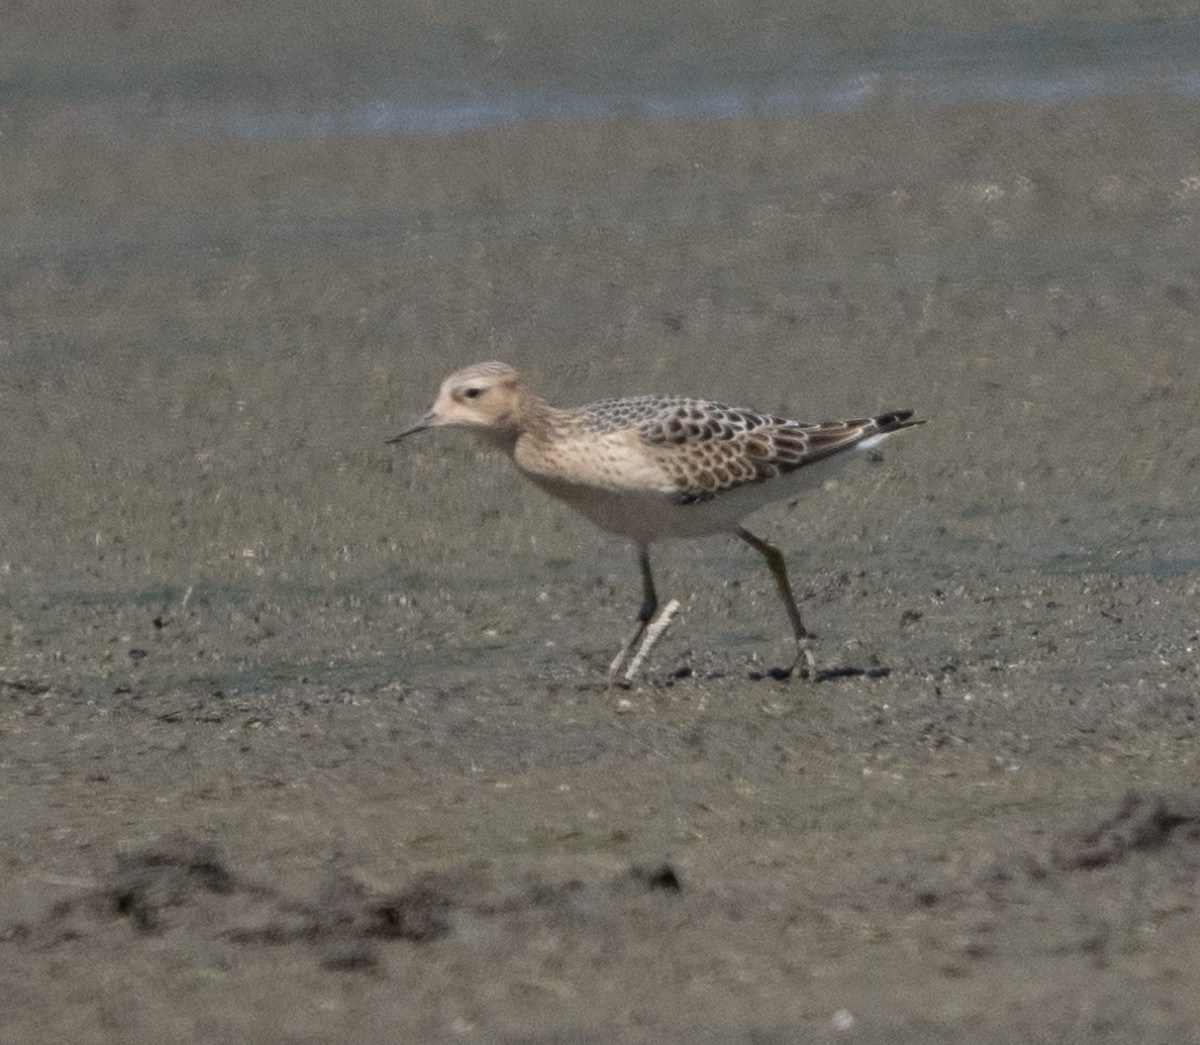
(531, 418)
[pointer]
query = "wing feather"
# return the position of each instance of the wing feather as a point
(709, 448)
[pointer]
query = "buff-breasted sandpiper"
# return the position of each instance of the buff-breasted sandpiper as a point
(652, 467)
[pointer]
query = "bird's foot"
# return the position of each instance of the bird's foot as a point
(805, 664)
(614, 669)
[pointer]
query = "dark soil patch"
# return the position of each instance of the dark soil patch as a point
(181, 885)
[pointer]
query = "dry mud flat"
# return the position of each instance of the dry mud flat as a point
(639, 954)
(930, 853)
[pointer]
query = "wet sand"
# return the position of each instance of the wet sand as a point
(302, 734)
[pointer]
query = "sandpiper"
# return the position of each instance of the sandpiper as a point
(650, 467)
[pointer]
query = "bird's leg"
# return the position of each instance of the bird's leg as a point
(645, 614)
(805, 661)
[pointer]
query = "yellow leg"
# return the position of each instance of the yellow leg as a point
(805, 661)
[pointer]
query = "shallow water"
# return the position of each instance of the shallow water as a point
(604, 79)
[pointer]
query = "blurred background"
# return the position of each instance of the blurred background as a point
(241, 244)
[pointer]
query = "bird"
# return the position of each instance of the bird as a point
(651, 467)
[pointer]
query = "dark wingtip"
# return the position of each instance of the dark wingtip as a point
(895, 420)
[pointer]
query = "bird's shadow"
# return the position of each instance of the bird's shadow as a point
(770, 675)
(825, 675)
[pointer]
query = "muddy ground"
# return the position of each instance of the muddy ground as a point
(302, 737)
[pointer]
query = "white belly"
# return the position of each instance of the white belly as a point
(646, 516)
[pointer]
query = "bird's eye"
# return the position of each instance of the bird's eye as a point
(473, 392)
